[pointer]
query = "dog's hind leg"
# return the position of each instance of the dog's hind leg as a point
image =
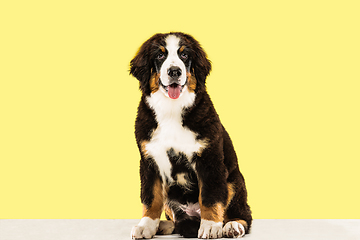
(166, 227)
(234, 229)
(237, 217)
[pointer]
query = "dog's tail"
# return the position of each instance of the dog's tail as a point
(188, 227)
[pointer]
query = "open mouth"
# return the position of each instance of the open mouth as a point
(173, 90)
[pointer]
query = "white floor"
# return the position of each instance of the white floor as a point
(100, 229)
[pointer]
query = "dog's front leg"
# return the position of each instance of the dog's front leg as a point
(152, 197)
(212, 200)
(211, 221)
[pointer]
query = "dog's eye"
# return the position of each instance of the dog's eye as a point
(160, 56)
(184, 56)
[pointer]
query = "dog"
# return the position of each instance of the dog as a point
(188, 165)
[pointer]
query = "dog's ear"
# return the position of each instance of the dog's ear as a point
(201, 65)
(141, 65)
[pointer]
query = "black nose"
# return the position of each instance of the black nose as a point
(174, 72)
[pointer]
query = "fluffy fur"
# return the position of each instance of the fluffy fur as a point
(188, 165)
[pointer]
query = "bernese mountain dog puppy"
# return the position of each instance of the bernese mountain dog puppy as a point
(188, 165)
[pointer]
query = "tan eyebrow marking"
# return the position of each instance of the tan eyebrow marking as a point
(162, 49)
(182, 48)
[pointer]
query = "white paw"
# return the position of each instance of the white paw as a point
(233, 229)
(210, 229)
(145, 229)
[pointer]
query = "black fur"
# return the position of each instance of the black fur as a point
(188, 227)
(215, 167)
(143, 63)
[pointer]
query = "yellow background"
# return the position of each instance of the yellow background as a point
(285, 83)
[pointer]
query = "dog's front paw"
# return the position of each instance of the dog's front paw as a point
(233, 229)
(139, 232)
(210, 229)
(145, 229)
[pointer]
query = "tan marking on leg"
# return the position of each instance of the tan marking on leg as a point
(154, 82)
(154, 210)
(191, 82)
(169, 212)
(231, 193)
(242, 222)
(213, 213)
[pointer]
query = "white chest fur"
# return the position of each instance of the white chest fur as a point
(170, 133)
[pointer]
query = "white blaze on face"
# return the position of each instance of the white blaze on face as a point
(172, 60)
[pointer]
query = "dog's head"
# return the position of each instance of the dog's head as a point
(171, 63)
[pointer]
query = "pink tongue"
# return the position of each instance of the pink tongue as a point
(174, 91)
